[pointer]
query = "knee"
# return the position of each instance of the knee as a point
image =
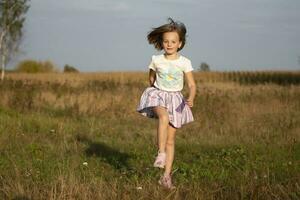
(164, 118)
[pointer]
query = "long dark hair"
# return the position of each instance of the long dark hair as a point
(155, 37)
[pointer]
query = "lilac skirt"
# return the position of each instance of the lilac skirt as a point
(179, 112)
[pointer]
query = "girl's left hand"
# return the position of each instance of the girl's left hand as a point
(190, 102)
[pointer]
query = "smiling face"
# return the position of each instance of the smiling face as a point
(171, 42)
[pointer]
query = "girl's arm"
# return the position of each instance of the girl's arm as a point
(192, 88)
(152, 77)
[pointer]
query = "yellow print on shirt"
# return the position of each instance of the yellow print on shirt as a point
(171, 77)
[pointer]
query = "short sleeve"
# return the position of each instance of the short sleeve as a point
(152, 65)
(188, 66)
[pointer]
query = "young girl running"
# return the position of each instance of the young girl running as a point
(163, 99)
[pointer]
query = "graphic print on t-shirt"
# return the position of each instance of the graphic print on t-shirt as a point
(170, 76)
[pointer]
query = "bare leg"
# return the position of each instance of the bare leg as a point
(162, 129)
(170, 148)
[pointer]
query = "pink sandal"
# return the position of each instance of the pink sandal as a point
(160, 160)
(166, 181)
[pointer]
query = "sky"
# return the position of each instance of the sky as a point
(99, 35)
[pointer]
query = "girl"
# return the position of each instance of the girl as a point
(163, 99)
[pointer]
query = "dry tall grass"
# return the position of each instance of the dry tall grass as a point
(244, 143)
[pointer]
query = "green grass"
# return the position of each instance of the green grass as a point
(243, 145)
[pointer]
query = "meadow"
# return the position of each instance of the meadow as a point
(78, 136)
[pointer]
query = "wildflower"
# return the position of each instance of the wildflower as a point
(265, 176)
(139, 188)
(85, 163)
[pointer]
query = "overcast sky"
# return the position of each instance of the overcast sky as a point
(98, 35)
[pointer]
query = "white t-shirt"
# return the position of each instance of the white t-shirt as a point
(170, 73)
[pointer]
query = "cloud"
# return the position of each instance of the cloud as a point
(98, 5)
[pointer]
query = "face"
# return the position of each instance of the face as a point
(171, 42)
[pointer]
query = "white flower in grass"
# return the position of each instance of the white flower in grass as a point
(85, 163)
(139, 188)
(265, 176)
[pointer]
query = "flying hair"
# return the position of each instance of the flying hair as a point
(155, 37)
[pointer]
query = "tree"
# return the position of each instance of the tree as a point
(32, 66)
(12, 17)
(204, 67)
(70, 69)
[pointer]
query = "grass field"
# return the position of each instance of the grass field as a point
(78, 136)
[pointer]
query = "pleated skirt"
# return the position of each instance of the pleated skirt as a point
(179, 112)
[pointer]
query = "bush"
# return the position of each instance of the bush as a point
(204, 67)
(68, 69)
(32, 66)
